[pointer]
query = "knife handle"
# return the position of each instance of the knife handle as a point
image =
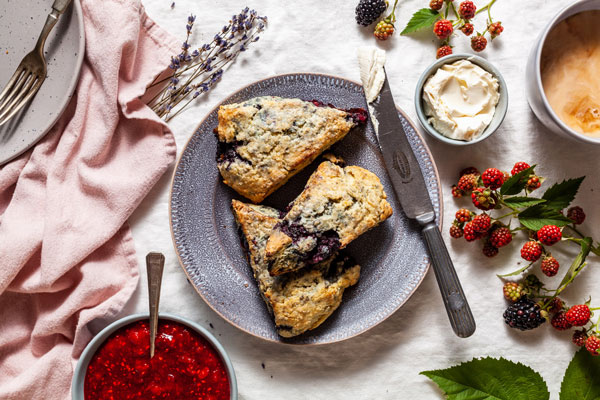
(457, 307)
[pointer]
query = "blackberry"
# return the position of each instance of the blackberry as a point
(469, 170)
(580, 337)
(489, 250)
(524, 315)
(576, 214)
(367, 11)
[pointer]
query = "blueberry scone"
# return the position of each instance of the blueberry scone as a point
(299, 301)
(264, 141)
(337, 205)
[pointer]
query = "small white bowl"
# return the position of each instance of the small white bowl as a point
(82, 365)
(501, 107)
(535, 91)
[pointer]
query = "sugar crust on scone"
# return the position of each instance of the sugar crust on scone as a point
(337, 205)
(298, 301)
(264, 141)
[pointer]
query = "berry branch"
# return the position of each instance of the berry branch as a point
(546, 224)
(438, 17)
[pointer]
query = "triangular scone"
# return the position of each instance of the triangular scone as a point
(337, 205)
(298, 301)
(264, 141)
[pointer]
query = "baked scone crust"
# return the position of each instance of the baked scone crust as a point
(264, 141)
(337, 205)
(298, 301)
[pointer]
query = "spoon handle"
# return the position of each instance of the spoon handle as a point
(155, 263)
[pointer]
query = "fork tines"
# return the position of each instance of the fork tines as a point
(21, 87)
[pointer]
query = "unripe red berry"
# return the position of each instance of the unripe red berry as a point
(500, 237)
(443, 28)
(478, 43)
(492, 178)
(550, 266)
(592, 344)
(467, 9)
(531, 251)
(468, 182)
(443, 51)
(495, 29)
(470, 233)
(549, 235)
(560, 322)
(456, 232)
(468, 29)
(520, 166)
(578, 315)
(436, 5)
(482, 223)
(463, 215)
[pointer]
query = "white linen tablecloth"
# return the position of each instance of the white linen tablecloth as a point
(383, 363)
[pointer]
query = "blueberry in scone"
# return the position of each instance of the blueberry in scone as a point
(337, 205)
(264, 141)
(301, 300)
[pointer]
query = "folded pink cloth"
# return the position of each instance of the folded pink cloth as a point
(66, 251)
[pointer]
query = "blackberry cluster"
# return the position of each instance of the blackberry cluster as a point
(367, 11)
(525, 314)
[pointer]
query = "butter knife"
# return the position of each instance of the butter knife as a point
(409, 185)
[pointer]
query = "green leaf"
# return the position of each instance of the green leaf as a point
(516, 183)
(579, 262)
(521, 201)
(536, 217)
(560, 195)
(490, 379)
(421, 19)
(582, 378)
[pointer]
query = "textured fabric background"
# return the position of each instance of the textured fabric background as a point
(384, 363)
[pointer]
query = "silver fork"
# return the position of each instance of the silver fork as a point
(31, 72)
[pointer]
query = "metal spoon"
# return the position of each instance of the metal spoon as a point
(155, 263)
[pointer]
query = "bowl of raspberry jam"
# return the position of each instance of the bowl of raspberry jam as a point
(188, 363)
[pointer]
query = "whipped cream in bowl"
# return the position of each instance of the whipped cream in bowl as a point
(461, 99)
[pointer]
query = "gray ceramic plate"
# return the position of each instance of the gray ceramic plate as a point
(393, 257)
(21, 22)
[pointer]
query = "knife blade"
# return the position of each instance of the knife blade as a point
(410, 188)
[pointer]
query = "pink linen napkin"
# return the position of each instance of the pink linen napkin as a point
(66, 251)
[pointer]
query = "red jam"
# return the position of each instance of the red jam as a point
(184, 366)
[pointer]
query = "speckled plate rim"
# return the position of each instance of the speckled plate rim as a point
(70, 87)
(440, 217)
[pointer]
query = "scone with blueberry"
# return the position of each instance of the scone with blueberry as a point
(302, 300)
(337, 205)
(264, 141)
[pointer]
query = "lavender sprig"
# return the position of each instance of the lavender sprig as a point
(196, 71)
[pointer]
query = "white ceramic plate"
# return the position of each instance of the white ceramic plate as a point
(21, 22)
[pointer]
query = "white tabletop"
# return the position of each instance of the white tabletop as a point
(383, 363)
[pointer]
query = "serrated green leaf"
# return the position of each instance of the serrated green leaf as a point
(582, 378)
(522, 201)
(490, 379)
(560, 195)
(421, 19)
(516, 183)
(536, 217)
